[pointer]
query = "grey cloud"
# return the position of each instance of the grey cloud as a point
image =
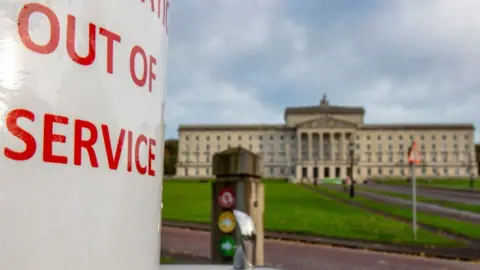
(406, 61)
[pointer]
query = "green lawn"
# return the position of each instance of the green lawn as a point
(442, 183)
(166, 260)
(455, 205)
(468, 229)
(295, 209)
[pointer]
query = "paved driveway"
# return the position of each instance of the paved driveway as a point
(298, 256)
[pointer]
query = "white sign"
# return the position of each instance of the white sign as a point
(81, 98)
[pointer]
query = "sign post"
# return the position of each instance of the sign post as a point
(413, 160)
(236, 186)
(81, 133)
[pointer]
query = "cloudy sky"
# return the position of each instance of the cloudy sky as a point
(235, 61)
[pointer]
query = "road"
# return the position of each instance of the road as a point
(448, 195)
(299, 256)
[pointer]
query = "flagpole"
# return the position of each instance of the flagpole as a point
(413, 159)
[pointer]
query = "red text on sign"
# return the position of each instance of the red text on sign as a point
(81, 144)
(147, 67)
(160, 8)
(55, 32)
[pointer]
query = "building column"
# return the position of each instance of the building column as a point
(309, 146)
(332, 146)
(320, 147)
(299, 147)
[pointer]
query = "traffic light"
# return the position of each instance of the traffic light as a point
(226, 221)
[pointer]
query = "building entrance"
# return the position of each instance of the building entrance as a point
(315, 172)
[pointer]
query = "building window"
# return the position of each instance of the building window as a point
(250, 146)
(196, 171)
(368, 138)
(390, 172)
(411, 137)
(379, 137)
(260, 137)
(379, 171)
(422, 137)
(281, 138)
(218, 138)
(208, 138)
(454, 137)
(433, 137)
(228, 138)
(400, 137)
(282, 171)
(186, 138)
(444, 137)
(466, 136)
(207, 171)
(424, 171)
(445, 171)
(434, 146)
(207, 147)
(389, 137)
(457, 172)
(250, 137)
(272, 171)
(197, 138)
(239, 138)
(369, 172)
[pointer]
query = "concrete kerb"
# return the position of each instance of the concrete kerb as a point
(463, 254)
(439, 188)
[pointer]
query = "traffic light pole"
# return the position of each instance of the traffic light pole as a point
(352, 182)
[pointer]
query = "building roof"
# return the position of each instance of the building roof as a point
(233, 127)
(269, 127)
(324, 108)
(419, 126)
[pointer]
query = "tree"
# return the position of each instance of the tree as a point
(170, 157)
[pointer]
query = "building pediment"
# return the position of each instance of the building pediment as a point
(326, 122)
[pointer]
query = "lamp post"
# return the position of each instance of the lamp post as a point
(351, 149)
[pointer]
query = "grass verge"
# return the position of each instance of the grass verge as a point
(467, 229)
(454, 205)
(292, 208)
